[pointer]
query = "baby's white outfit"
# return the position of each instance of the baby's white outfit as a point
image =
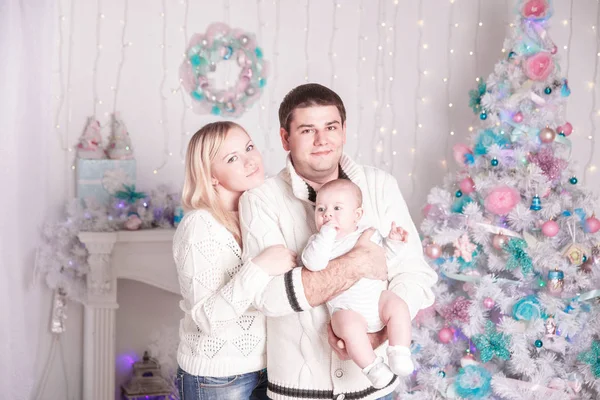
(363, 296)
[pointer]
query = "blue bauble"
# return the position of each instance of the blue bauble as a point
(459, 193)
(483, 116)
(538, 343)
(548, 90)
(573, 181)
(494, 162)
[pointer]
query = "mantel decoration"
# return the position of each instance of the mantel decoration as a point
(204, 52)
(147, 381)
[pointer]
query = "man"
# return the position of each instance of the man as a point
(303, 358)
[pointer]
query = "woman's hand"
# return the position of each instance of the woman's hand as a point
(276, 260)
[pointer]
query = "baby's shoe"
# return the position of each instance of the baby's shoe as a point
(399, 359)
(378, 373)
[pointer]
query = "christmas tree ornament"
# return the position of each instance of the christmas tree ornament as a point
(90, 141)
(527, 309)
(548, 90)
(467, 185)
(489, 303)
(468, 359)
(539, 343)
(499, 241)
(550, 165)
(565, 129)
(518, 117)
(541, 283)
(539, 66)
(592, 224)
(536, 203)
(463, 154)
(464, 248)
(547, 135)
(550, 228)
(458, 193)
(554, 49)
(133, 222)
(445, 335)
(433, 251)
(483, 116)
(564, 90)
(550, 326)
(575, 252)
(471, 382)
(556, 281)
(592, 358)
(502, 199)
(511, 54)
(492, 343)
(494, 162)
(536, 10)
(573, 180)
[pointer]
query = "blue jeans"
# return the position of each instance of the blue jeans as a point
(252, 386)
(387, 397)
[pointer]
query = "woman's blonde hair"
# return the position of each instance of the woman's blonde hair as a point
(198, 190)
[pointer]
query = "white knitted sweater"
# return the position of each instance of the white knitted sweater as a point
(221, 334)
(301, 364)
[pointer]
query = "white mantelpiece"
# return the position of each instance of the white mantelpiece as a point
(143, 256)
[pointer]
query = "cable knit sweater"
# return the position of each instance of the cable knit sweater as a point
(221, 334)
(300, 363)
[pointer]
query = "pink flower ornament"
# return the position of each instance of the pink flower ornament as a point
(539, 66)
(502, 200)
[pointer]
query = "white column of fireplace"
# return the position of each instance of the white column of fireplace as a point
(143, 256)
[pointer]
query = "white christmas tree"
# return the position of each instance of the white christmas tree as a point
(90, 141)
(514, 239)
(119, 142)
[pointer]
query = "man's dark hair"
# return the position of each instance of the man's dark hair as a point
(308, 95)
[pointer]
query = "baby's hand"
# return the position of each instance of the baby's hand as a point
(397, 233)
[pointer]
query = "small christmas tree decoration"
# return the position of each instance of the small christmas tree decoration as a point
(536, 203)
(119, 142)
(575, 253)
(433, 251)
(499, 241)
(147, 380)
(547, 135)
(550, 228)
(592, 224)
(550, 326)
(90, 141)
(556, 281)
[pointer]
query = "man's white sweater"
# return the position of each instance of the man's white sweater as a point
(300, 362)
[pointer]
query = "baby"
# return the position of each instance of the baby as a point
(366, 306)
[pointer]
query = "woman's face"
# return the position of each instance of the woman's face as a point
(238, 165)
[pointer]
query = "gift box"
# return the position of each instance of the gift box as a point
(99, 179)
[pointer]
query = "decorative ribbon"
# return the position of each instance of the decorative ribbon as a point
(474, 278)
(497, 230)
(592, 294)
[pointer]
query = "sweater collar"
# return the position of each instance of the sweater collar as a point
(348, 169)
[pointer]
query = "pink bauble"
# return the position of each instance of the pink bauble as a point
(499, 241)
(460, 150)
(467, 185)
(488, 303)
(426, 210)
(433, 250)
(565, 129)
(592, 225)
(502, 200)
(539, 66)
(550, 228)
(518, 117)
(547, 135)
(445, 335)
(535, 9)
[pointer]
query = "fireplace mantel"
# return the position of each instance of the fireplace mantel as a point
(143, 256)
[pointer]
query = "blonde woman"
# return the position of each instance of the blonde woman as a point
(221, 352)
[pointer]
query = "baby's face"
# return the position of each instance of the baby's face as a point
(339, 208)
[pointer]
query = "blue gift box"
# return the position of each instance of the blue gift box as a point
(91, 172)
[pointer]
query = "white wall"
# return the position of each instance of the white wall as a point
(285, 43)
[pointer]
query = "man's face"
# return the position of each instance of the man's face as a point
(315, 141)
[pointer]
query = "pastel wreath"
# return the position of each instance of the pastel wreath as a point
(204, 52)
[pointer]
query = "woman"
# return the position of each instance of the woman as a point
(221, 352)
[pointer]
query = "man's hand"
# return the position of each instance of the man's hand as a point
(368, 258)
(338, 345)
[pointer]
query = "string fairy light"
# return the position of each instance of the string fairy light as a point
(588, 166)
(99, 18)
(359, 62)
(378, 129)
(273, 108)
(446, 81)
(70, 188)
(418, 124)
(163, 106)
(306, 30)
(568, 23)
(184, 132)
(122, 60)
(61, 96)
(391, 87)
(332, 55)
